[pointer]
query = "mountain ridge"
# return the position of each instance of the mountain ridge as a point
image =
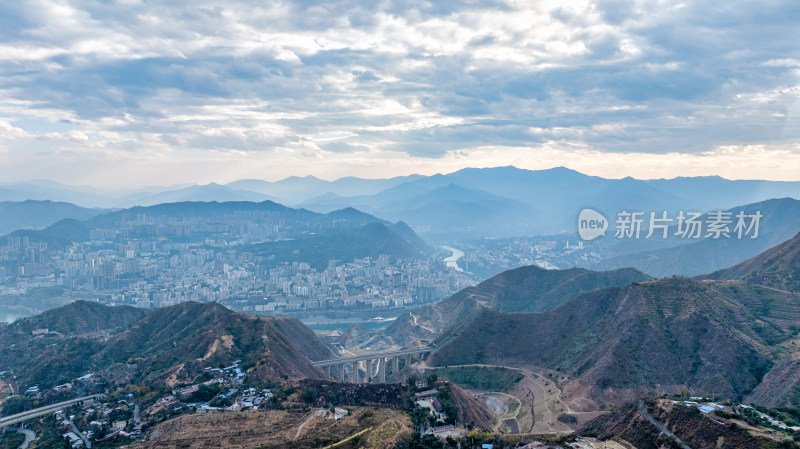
(778, 267)
(621, 342)
(171, 344)
(524, 289)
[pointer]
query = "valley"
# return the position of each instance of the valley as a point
(403, 224)
(533, 354)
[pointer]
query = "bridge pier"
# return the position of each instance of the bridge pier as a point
(372, 373)
(382, 370)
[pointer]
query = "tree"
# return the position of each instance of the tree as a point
(309, 395)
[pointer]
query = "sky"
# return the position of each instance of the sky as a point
(134, 92)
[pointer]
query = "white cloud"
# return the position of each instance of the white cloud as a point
(244, 84)
(8, 131)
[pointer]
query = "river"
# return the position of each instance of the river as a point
(452, 260)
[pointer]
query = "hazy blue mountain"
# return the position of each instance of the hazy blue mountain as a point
(52, 191)
(556, 195)
(353, 215)
(295, 190)
(560, 193)
(57, 235)
(208, 192)
(715, 192)
(288, 189)
(387, 199)
(330, 201)
(409, 190)
(371, 240)
(350, 186)
(515, 182)
(342, 234)
(403, 230)
(562, 184)
(437, 206)
(212, 209)
(780, 222)
(39, 214)
(70, 230)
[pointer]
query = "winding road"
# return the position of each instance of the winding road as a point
(416, 323)
(300, 429)
(659, 426)
(29, 436)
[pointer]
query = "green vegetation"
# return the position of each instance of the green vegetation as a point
(48, 433)
(16, 404)
(309, 395)
(481, 378)
(204, 393)
(449, 406)
(11, 440)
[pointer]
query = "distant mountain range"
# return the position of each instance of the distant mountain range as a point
(780, 221)
(657, 257)
(363, 235)
(39, 214)
(499, 201)
(732, 333)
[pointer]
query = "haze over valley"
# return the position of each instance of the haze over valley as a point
(479, 224)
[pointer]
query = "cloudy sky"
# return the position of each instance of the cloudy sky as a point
(138, 92)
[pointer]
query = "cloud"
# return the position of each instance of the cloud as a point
(430, 80)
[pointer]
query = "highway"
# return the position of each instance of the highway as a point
(405, 352)
(47, 409)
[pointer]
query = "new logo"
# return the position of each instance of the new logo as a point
(591, 224)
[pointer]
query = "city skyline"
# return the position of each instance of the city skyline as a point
(133, 94)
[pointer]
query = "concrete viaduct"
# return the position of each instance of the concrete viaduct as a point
(382, 360)
(46, 410)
